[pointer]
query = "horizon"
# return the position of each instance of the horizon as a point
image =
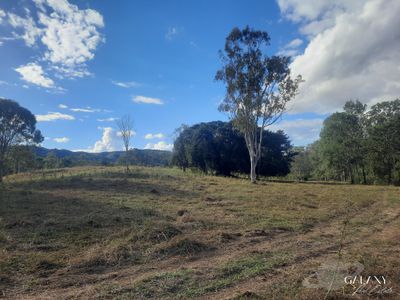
(157, 63)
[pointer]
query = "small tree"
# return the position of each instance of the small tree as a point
(17, 126)
(51, 161)
(125, 126)
(20, 158)
(257, 87)
(301, 167)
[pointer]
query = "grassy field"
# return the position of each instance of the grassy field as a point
(159, 233)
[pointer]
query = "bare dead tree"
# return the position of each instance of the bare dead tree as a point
(125, 126)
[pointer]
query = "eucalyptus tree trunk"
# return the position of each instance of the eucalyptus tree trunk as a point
(253, 143)
(253, 165)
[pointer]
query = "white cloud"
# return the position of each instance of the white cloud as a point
(300, 131)
(2, 15)
(290, 49)
(319, 12)
(172, 32)
(159, 146)
(53, 116)
(126, 84)
(70, 35)
(109, 141)
(2, 82)
(86, 110)
(294, 43)
(147, 100)
(61, 140)
(151, 136)
(288, 52)
(107, 119)
(30, 31)
(33, 73)
(353, 52)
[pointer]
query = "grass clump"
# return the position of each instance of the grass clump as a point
(157, 232)
(183, 247)
(115, 253)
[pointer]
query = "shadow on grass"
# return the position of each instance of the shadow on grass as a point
(40, 232)
(31, 216)
(136, 183)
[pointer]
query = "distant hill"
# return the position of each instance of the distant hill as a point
(138, 157)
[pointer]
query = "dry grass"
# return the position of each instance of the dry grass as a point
(164, 234)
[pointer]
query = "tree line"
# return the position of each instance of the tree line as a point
(358, 145)
(24, 158)
(19, 151)
(220, 149)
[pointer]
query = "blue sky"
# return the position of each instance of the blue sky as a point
(79, 65)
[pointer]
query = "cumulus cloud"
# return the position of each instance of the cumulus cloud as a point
(151, 136)
(61, 140)
(301, 131)
(159, 146)
(63, 106)
(34, 74)
(147, 100)
(69, 35)
(353, 52)
(126, 84)
(108, 142)
(53, 116)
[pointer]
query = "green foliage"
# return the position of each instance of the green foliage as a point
(257, 86)
(19, 158)
(217, 148)
(52, 161)
(301, 167)
(356, 145)
(384, 140)
(17, 126)
(342, 144)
